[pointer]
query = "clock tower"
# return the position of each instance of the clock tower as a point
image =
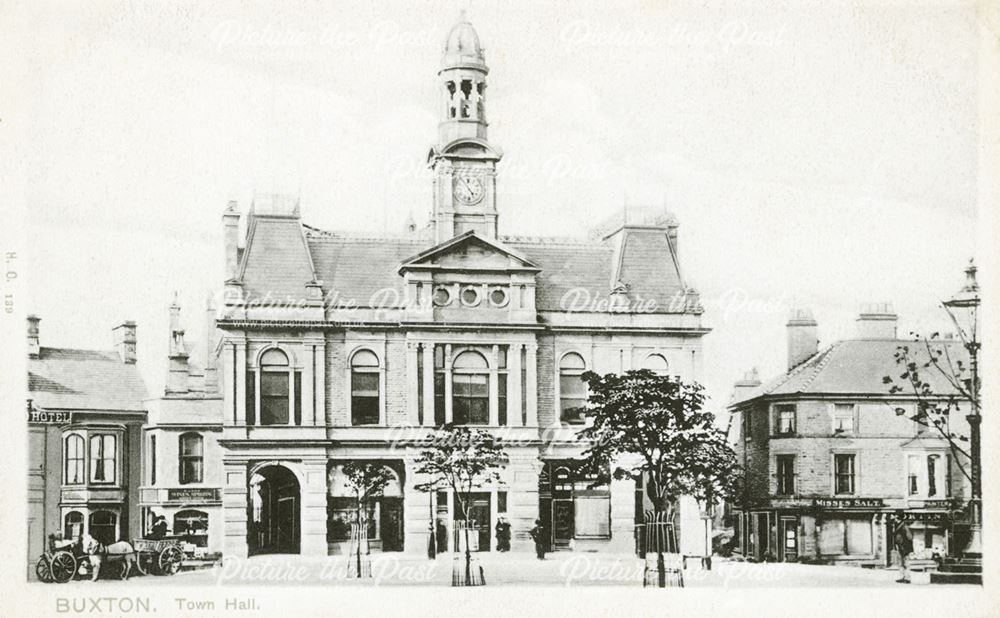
(463, 161)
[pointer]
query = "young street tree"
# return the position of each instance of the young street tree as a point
(461, 459)
(652, 427)
(943, 379)
(368, 480)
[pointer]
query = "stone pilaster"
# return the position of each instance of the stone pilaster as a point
(234, 508)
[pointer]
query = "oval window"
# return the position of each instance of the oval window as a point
(442, 297)
(470, 296)
(498, 297)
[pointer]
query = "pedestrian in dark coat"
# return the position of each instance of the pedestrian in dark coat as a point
(538, 536)
(503, 534)
(903, 542)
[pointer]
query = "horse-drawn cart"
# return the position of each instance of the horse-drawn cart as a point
(160, 557)
(67, 560)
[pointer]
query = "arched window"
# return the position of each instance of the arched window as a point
(365, 404)
(572, 389)
(192, 455)
(470, 384)
(103, 458)
(73, 525)
(656, 363)
(193, 526)
(274, 388)
(74, 457)
(104, 527)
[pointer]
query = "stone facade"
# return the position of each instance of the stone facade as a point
(337, 347)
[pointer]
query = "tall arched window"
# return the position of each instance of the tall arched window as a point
(104, 527)
(74, 456)
(365, 404)
(103, 458)
(191, 453)
(274, 389)
(470, 388)
(572, 389)
(656, 363)
(73, 525)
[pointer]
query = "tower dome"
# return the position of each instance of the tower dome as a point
(462, 47)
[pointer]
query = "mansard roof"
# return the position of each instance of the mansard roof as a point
(856, 367)
(282, 256)
(70, 379)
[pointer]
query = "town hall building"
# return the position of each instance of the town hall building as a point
(335, 348)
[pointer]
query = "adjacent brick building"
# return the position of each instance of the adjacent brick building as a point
(832, 463)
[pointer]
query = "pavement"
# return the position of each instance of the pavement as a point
(515, 569)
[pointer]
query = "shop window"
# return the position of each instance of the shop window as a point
(843, 418)
(365, 379)
(192, 526)
(785, 472)
(342, 514)
(103, 459)
(846, 536)
(470, 389)
(74, 455)
(73, 525)
(844, 478)
(192, 453)
(572, 389)
(784, 419)
(592, 516)
(104, 527)
(579, 509)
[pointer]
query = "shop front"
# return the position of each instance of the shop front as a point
(932, 523)
(382, 516)
(191, 514)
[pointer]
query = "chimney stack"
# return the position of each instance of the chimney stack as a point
(177, 357)
(745, 385)
(211, 374)
(802, 340)
(125, 341)
(33, 341)
(231, 234)
(877, 321)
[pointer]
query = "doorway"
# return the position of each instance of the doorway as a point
(275, 504)
(478, 504)
(788, 529)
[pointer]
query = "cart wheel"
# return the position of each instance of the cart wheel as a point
(145, 562)
(43, 570)
(63, 567)
(170, 560)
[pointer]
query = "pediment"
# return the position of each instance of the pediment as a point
(469, 251)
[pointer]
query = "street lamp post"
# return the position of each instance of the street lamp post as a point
(963, 309)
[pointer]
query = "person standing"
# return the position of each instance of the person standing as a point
(503, 534)
(903, 543)
(538, 536)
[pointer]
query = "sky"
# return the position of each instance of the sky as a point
(815, 156)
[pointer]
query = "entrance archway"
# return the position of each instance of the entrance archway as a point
(275, 503)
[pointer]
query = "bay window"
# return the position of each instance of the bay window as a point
(191, 458)
(75, 458)
(103, 458)
(928, 475)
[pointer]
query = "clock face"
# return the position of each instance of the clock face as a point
(469, 189)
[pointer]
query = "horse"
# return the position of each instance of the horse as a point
(122, 551)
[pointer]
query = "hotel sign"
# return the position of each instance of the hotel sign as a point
(193, 494)
(49, 417)
(848, 503)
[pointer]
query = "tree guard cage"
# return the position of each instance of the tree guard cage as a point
(359, 562)
(654, 538)
(465, 540)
